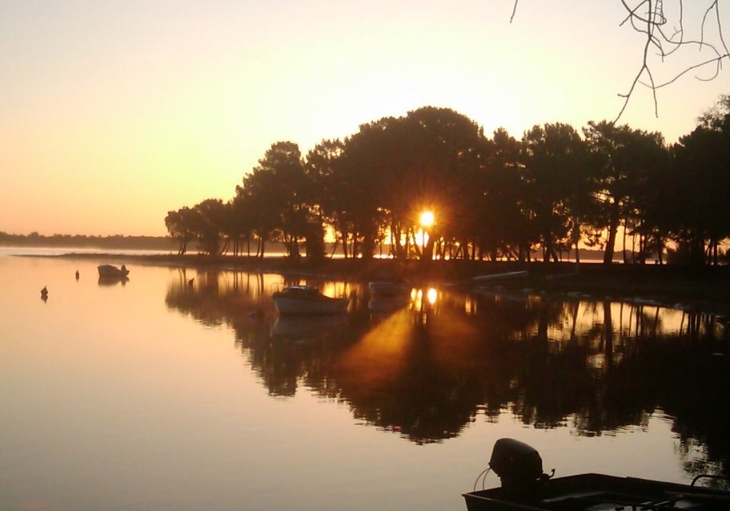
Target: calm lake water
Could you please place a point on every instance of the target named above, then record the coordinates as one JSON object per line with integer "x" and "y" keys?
{"x": 160, "y": 394}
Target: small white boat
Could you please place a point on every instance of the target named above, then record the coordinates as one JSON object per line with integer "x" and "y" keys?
{"x": 307, "y": 300}
{"x": 389, "y": 288}
{"x": 107, "y": 270}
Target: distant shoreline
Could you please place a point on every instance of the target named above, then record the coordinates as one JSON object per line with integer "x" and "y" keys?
{"x": 708, "y": 287}
{"x": 171, "y": 246}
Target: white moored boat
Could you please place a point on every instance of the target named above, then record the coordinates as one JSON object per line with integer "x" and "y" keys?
{"x": 307, "y": 300}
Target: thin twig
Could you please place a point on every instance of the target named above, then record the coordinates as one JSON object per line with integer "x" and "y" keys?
{"x": 514, "y": 11}
{"x": 647, "y": 17}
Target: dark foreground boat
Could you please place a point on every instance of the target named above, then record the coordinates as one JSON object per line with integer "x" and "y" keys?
{"x": 526, "y": 488}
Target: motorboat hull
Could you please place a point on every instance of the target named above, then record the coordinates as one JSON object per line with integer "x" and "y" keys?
{"x": 599, "y": 491}
{"x": 524, "y": 487}
{"x": 107, "y": 270}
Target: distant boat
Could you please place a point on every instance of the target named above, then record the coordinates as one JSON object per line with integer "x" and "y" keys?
{"x": 307, "y": 300}
{"x": 107, "y": 270}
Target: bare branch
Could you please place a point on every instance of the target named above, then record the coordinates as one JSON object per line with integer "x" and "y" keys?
{"x": 648, "y": 17}
{"x": 637, "y": 79}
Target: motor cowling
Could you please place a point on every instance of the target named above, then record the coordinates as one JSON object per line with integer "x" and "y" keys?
{"x": 518, "y": 465}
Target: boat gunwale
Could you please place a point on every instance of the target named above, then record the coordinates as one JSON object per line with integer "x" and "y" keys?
{"x": 555, "y": 491}
{"x": 305, "y": 292}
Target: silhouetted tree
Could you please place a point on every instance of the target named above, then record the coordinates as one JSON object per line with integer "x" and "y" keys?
{"x": 624, "y": 159}
{"x": 702, "y": 166}
{"x": 273, "y": 192}
{"x": 370, "y": 156}
{"x": 448, "y": 153}
{"x": 241, "y": 219}
{"x": 287, "y": 191}
{"x": 647, "y": 206}
{"x": 555, "y": 177}
{"x": 326, "y": 196}
{"x": 253, "y": 207}
{"x": 210, "y": 226}
{"x": 181, "y": 225}
{"x": 501, "y": 226}
{"x": 400, "y": 167}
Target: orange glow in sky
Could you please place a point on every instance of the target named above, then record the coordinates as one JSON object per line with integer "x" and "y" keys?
{"x": 115, "y": 112}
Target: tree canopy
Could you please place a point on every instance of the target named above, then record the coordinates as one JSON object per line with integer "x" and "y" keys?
{"x": 491, "y": 197}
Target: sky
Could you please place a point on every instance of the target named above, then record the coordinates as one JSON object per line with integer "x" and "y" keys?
{"x": 113, "y": 113}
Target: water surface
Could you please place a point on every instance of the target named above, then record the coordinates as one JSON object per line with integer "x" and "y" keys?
{"x": 182, "y": 390}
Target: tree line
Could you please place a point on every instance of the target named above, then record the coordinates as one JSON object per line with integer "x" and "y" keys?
{"x": 493, "y": 198}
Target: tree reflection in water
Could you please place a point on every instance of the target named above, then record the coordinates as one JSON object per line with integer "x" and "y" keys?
{"x": 427, "y": 372}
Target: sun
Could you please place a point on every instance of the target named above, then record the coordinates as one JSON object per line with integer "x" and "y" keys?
{"x": 426, "y": 219}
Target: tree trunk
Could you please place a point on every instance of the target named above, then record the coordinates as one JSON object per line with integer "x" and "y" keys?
{"x": 612, "y": 233}
{"x": 344, "y": 245}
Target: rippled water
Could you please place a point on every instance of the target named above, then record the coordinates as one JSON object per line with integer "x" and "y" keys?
{"x": 182, "y": 390}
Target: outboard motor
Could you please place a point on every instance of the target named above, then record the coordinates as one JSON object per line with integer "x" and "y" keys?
{"x": 518, "y": 465}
